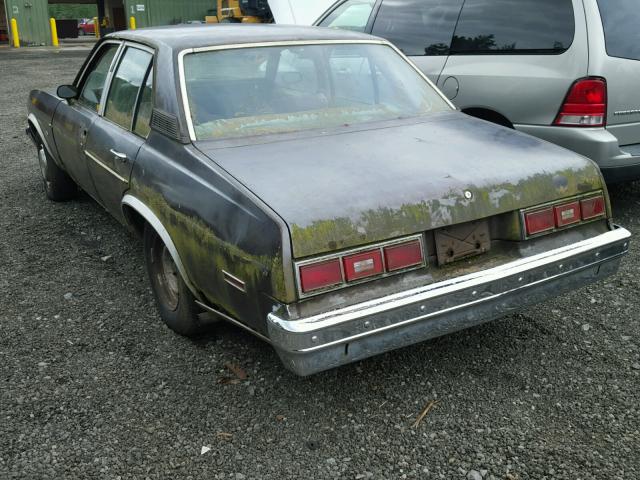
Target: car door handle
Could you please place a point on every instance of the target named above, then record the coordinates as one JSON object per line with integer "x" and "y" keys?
{"x": 118, "y": 155}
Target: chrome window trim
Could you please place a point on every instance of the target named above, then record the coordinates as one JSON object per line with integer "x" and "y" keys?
{"x": 183, "y": 53}
{"x": 353, "y": 251}
{"x": 579, "y": 198}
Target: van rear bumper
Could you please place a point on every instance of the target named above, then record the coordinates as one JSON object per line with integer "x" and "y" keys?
{"x": 618, "y": 164}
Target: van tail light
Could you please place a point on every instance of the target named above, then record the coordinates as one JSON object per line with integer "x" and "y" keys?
{"x": 567, "y": 214}
{"x": 592, "y": 207}
{"x": 585, "y": 104}
{"x": 403, "y": 255}
{"x": 320, "y": 275}
{"x": 539, "y": 221}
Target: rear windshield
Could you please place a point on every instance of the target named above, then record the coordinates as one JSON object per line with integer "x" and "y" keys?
{"x": 621, "y": 21}
{"x": 264, "y": 90}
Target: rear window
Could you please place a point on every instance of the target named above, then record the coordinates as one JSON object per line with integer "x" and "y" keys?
{"x": 293, "y": 88}
{"x": 621, "y": 21}
{"x": 515, "y": 27}
{"x": 418, "y": 27}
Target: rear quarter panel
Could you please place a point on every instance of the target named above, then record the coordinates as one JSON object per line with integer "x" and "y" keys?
{"x": 216, "y": 227}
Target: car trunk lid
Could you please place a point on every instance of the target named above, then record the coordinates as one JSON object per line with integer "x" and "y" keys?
{"x": 380, "y": 181}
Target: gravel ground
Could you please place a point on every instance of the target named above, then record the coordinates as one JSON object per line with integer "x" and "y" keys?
{"x": 94, "y": 386}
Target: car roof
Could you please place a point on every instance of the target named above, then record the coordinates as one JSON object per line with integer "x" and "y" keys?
{"x": 181, "y": 37}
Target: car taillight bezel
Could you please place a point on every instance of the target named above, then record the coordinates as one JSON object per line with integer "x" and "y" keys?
{"x": 559, "y": 203}
{"x": 340, "y": 256}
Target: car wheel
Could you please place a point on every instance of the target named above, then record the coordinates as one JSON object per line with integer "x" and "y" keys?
{"x": 57, "y": 184}
{"x": 176, "y": 304}
{"x": 80, "y": 32}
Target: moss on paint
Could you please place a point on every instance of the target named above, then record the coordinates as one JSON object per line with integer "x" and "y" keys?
{"x": 453, "y": 208}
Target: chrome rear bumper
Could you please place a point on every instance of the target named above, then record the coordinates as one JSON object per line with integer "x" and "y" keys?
{"x": 312, "y": 344}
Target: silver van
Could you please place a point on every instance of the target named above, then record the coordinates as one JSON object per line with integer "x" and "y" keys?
{"x": 567, "y": 71}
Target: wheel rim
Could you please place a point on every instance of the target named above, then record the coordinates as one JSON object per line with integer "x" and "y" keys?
{"x": 167, "y": 276}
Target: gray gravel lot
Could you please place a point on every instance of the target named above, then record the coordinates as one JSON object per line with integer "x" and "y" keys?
{"x": 92, "y": 385}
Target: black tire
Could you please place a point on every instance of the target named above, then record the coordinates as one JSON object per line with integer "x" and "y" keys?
{"x": 58, "y": 186}
{"x": 176, "y": 304}
{"x": 80, "y": 32}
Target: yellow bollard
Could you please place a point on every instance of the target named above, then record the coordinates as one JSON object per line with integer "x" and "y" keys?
{"x": 14, "y": 33}
{"x": 132, "y": 23}
{"x": 96, "y": 27}
{"x": 54, "y": 32}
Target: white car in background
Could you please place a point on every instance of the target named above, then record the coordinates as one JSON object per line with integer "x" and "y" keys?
{"x": 298, "y": 12}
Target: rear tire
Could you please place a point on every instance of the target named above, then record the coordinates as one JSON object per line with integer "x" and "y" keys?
{"x": 176, "y": 304}
{"x": 58, "y": 186}
{"x": 80, "y": 32}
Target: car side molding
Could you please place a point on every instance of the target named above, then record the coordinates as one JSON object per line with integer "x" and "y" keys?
{"x": 145, "y": 212}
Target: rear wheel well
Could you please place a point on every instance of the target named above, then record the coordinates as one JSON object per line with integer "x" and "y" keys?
{"x": 489, "y": 115}
{"x": 136, "y": 221}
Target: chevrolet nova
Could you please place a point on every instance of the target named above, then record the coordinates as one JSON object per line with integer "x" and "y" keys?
{"x": 314, "y": 188}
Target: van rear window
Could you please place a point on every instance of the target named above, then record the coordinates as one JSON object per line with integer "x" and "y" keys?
{"x": 514, "y": 27}
{"x": 621, "y": 20}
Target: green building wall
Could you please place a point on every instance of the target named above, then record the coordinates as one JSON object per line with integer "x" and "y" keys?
{"x": 33, "y": 21}
{"x": 151, "y": 13}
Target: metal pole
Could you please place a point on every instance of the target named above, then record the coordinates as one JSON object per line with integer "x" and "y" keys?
{"x": 54, "y": 32}
{"x": 132, "y": 22}
{"x": 14, "y": 33}
{"x": 96, "y": 27}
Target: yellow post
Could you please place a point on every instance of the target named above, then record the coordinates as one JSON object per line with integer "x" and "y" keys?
{"x": 54, "y": 32}
{"x": 96, "y": 27}
{"x": 14, "y": 33}
{"x": 132, "y": 22}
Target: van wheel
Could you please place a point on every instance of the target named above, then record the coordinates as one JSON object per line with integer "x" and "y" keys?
{"x": 176, "y": 304}
{"x": 57, "y": 184}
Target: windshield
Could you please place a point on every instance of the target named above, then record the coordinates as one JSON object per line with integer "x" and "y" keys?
{"x": 264, "y": 90}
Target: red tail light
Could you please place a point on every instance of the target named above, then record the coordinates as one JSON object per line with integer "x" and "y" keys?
{"x": 403, "y": 255}
{"x": 567, "y": 214}
{"x": 540, "y": 221}
{"x": 585, "y": 105}
{"x": 363, "y": 265}
{"x": 592, "y": 207}
{"x": 320, "y": 275}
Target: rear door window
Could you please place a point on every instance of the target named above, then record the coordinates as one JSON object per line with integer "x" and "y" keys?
{"x": 126, "y": 85}
{"x": 418, "y": 27}
{"x": 514, "y": 27}
{"x": 351, "y": 15}
{"x": 621, "y": 21}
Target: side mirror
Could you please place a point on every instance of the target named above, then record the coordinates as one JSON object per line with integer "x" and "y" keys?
{"x": 67, "y": 92}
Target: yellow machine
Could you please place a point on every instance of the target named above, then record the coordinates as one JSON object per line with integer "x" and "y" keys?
{"x": 241, "y": 11}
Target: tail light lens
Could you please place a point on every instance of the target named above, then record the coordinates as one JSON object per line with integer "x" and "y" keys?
{"x": 567, "y": 214}
{"x": 563, "y": 214}
{"x": 358, "y": 265}
{"x": 592, "y": 207}
{"x": 320, "y": 275}
{"x": 403, "y": 256}
{"x": 363, "y": 265}
{"x": 539, "y": 221}
{"x": 585, "y": 105}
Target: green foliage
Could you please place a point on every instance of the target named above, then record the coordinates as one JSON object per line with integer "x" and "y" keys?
{"x": 72, "y": 11}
